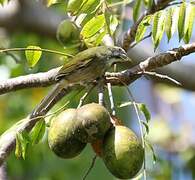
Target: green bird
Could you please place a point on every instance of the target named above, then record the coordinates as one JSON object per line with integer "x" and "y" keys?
{"x": 84, "y": 68}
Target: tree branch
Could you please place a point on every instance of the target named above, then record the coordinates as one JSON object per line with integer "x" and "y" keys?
{"x": 28, "y": 81}
{"x": 151, "y": 63}
{"x": 44, "y": 21}
{"x": 3, "y": 172}
{"x": 128, "y": 76}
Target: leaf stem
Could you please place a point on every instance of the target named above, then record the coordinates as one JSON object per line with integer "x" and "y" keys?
{"x": 141, "y": 130}
{"x": 90, "y": 168}
{"x": 111, "y": 99}
{"x": 140, "y": 127}
{"x": 36, "y": 49}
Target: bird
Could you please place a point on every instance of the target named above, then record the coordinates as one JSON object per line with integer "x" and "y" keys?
{"x": 84, "y": 68}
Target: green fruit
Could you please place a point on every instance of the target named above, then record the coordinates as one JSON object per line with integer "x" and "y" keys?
{"x": 122, "y": 153}
{"x": 95, "y": 120}
{"x": 62, "y": 135}
{"x": 68, "y": 32}
{"x": 73, "y": 6}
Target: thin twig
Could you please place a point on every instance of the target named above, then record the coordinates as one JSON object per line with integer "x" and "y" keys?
{"x": 35, "y": 49}
{"x": 16, "y": 59}
{"x": 140, "y": 126}
{"x": 162, "y": 76}
{"x": 90, "y": 167}
{"x": 135, "y": 43}
{"x": 141, "y": 130}
{"x": 82, "y": 99}
{"x": 101, "y": 94}
{"x": 174, "y": 3}
{"x": 111, "y": 99}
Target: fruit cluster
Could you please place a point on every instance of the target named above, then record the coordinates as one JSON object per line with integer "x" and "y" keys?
{"x": 120, "y": 148}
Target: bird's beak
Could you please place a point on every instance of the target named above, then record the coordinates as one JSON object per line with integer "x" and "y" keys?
{"x": 125, "y": 58}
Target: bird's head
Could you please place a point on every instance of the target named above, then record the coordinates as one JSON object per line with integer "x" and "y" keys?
{"x": 117, "y": 55}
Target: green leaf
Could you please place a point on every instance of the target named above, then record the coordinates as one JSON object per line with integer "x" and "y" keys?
{"x": 100, "y": 37}
{"x": 114, "y": 24}
{"x": 146, "y": 126}
{"x": 25, "y": 140}
{"x": 136, "y": 9}
{"x": 89, "y": 6}
{"x": 18, "y": 148}
{"x": 24, "y": 149}
{"x": 172, "y": 25}
{"x": 22, "y": 142}
{"x": 148, "y": 3}
{"x": 142, "y": 28}
{"x": 25, "y": 136}
{"x": 73, "y": 6}
{"x": 155, "y": 26}
{"x": 119, "y": 2}
{"x": 2, "y": 2}
{"x": 51, "y": 2}
{"x": 143, "y": 108}
{"x": 37, "y": 132}
{"x": 125, "y": 104}
{"x": 181, "y": 21}
{"x": 86, "y": 19}
{"x": 152, "y": 150}
{"x": 93, "y": 26}
{"x": 107, "y": 16}
{"x": 158, "y": 27}
{"x": 189, "y": 21}
{"x": 168, "y": 26}
{"x": 33, "y": 56}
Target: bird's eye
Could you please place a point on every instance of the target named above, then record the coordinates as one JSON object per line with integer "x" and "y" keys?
{"x": 116, "y": 53}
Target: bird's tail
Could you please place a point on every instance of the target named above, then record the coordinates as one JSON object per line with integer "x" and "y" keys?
{"x": 45, "y": 103}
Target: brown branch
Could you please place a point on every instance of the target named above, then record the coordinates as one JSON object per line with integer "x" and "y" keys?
{"x": 128, "y": 76}
{"x": 30, "y": 16}
{"x": 129, "y": 36}
{"x": 149, "y": 64}
{"x": 3, "y": 172}
{"x": 28, "y": 81}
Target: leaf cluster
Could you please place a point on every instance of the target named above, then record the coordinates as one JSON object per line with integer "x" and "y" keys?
{"x": 178, "y": 18}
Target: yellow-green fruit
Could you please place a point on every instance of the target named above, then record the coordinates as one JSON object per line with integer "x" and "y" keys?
{"x": 68, "y": 32}
{"x": 95, "y": 120}
{"x": 62, "y": 135}
{"x": 122, "y": 152}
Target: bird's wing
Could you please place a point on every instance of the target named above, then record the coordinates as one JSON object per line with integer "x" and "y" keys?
{"x": 79, "y": 61}
{"x": 72, "y": 66}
